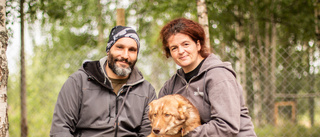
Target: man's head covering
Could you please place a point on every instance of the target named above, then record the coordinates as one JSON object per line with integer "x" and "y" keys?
{"x": 119, "y": 32}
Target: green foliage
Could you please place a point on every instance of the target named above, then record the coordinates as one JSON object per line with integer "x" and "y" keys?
{"x": 151, "y": 17}
{"x": 14, "y": 104}
{"x": 43, "y": 86}
{"x": 70, "y": 29}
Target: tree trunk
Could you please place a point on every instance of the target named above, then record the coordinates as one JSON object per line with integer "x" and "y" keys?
{"x": 311, "y": 58}
{"x": 258, "y": 76}
{"x": 203, "y": 19}
{"x": 253, "y": 63}
{"x": 4, "y": 72}
{"x": 272, "y": 75}
{"x": 311, "y": 79}
{"x": 24, "y": 125}
{"x": 317, "y": 22}
{"x": 267, "y": 95}
{"x": 261, "y": 78}
{"x": 241, "y": 51}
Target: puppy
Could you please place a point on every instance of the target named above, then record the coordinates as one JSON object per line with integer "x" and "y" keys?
{"x": 172, "y": 116}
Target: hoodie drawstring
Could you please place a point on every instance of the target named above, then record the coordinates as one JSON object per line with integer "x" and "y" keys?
{"x": 174, "y": 82}
{"x": 122, "y": 105}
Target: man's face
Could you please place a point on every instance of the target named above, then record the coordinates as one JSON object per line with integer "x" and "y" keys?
{"x": 123, "y": 56}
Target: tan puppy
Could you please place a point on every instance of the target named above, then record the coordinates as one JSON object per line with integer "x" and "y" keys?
{"x": 172, "y": 116}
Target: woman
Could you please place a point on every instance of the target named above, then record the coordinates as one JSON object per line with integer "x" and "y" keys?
{"x": 206, "y": 81}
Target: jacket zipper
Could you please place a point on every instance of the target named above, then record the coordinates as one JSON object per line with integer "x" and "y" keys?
{"x": 117, "y": 118}
{"x": 117, "y": 126}
{"x": 187, "y": 82}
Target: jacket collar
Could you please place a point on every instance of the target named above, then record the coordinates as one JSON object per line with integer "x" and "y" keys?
{"x": 212, "y": 61}
{"x": 96, "y": 69}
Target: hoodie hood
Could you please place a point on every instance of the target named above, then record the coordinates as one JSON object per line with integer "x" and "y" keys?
{"x": 96, "y": 71}
{"x": 211, "y": 62}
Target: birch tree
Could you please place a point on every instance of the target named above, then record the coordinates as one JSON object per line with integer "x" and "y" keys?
{"x": 203, "y": 19}
{"x": 4, "y": 124}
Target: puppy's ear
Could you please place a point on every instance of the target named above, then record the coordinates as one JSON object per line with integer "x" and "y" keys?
{"x": 150, "y": 110}
{"x": 150, "y": 105}
{"x": 182, "y": 111}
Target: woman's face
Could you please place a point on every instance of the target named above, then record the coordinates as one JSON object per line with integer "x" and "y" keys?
{"x": 184, "y": 51}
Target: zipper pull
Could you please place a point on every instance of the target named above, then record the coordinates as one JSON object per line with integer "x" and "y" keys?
{"x": 90, "y": 78}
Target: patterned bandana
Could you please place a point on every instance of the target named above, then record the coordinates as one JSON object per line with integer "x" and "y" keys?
{"x": 119, "y": 32}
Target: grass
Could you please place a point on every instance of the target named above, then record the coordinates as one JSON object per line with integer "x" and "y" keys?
{"x": 288, "y": 129}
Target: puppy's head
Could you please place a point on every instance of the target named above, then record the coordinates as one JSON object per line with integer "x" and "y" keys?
{"x": 167, "y": 115}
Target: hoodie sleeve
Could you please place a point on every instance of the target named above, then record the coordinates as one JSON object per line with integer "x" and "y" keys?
{"x": 145, "y": 124}
{"x": 224, "y": 97}
{"x": 65, "y": 116}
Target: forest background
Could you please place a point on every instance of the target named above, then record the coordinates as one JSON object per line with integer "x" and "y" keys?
{"x": 272, "y": 44}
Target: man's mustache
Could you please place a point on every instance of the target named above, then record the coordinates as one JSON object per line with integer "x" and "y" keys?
{"x": 123, "y": 60}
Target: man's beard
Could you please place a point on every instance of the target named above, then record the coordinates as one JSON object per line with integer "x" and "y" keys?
{"x": 118, "y": 70}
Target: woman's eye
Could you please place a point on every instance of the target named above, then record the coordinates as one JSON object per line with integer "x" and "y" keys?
{"x": 173, "y": 49}
{"x": 155, "y": 115}
{"x": 167, "y": 115}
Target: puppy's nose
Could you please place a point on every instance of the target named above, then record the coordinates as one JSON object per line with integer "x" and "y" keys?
{"x": 156, "y": 130}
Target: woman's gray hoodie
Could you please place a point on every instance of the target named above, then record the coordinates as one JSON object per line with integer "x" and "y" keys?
{"x": 218, "y": 96}
{"x": 88, "y": 107}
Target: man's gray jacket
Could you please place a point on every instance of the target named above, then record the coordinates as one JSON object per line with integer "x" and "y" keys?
{"x": 88, "y": 107}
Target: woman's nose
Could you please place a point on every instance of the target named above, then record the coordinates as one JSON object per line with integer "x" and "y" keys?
{"x": 180, "y": 49}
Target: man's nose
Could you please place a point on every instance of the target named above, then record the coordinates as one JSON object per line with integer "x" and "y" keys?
{"x": 125, "y": 53}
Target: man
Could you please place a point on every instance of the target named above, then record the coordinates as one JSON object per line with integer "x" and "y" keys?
{"x": 108, "y": 97}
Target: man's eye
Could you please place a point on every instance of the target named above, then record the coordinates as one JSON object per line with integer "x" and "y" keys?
{"x": 167, "y": 115}
{"x": 155, "y": 115}
{"x": 133, "y": 50}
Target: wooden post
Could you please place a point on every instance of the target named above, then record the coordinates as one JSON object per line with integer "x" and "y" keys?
{"x": 284, "y": 103}
{"x": 121, "y": 17}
